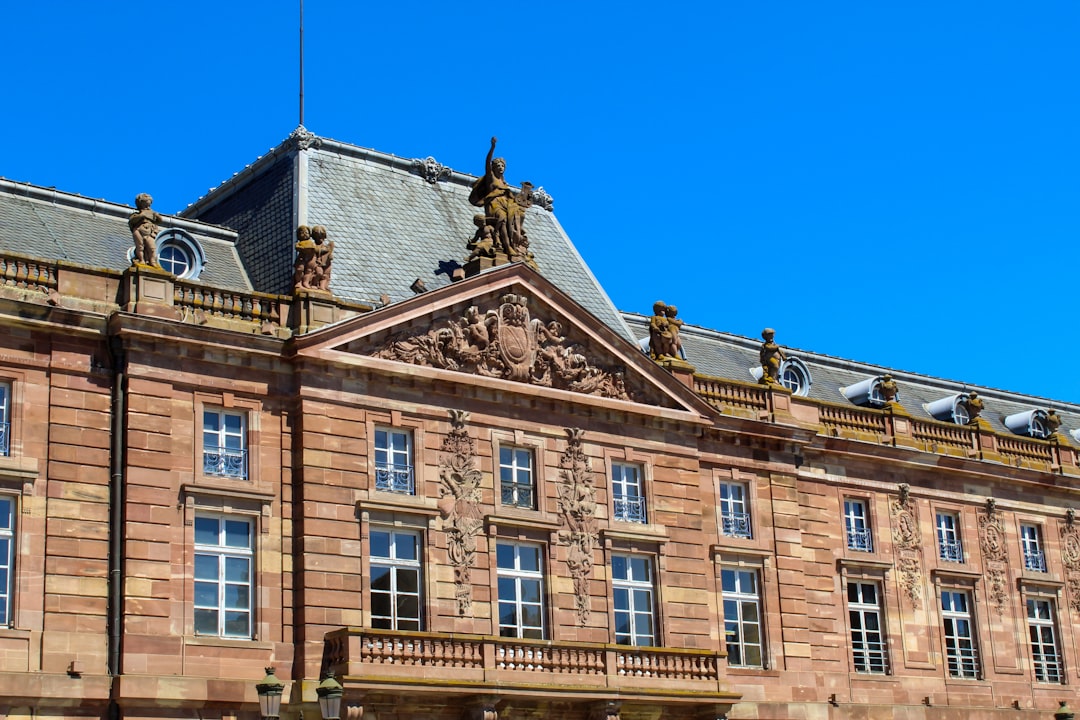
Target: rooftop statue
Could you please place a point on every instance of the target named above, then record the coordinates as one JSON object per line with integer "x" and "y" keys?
{"x": 974, "y": 405}
{"x": 504, "y": 212}
{"x": 771, "y": 357}
{"x": 314, "y": 255}
{"x": 324, "y": 257}
{"x": 888, "y": 388}
{"x": 1053, "y": 421}
{"x": 143, "y": 224}
{"x": 664, "y": 339}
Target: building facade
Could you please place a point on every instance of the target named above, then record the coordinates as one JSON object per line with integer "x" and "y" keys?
{"x": 484, "y": 499}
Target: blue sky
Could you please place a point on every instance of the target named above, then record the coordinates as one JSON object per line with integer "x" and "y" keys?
{"x": 896, "y": 183}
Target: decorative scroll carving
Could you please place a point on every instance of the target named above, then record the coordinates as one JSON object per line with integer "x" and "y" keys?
{"x": 543, "y": 199}
{"x": 506, "y": 343}
{"x": 907, "y": 542}
{"x": 577, "y": 512}
{"x": 143, "y": 224}
{"x": 1069, "y": 532}
{"x": 305, "y": 138}
{"x": 459, "y": 505}
{"x": 431, "y": 169}
{"x": 992, "y": 543}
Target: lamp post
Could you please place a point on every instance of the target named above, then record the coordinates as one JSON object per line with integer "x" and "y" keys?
{"x": 270, "y": 690}
{"x": 1063, "y": 712}
{"x": 330, "y": 692}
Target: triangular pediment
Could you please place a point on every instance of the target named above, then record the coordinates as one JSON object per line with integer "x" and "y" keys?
{"x": 508, "y": 325}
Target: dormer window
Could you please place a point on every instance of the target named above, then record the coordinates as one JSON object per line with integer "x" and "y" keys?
{"x": 951, "y": 408}
{"x": 1033, "y": 423}
{"x": 872, "y": 392}
{"x": 180, "y": 254}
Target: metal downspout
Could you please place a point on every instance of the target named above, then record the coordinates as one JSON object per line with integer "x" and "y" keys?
{"x": 116, "y": 517}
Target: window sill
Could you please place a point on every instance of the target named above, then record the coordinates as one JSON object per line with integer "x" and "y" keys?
{"x": 18, "y": 469}
{"x": 219, "y": 642}
{"x": 240, "y": 490}
{"x": 635, "y": 531}
{"x": 532, "y": 521}
{"x": 380, "y": 500}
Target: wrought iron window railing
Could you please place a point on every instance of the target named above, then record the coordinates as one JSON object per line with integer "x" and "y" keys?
{"x": 735, "y": 524}
{"x": 860, "y": 539}
{"x": 630, "y": 509}
{"x": 870, "y": 657}
{"x": 225, "y": 462}
{"x": 5, "y": 435}
{"x": 1035, "y": 560}
{"x": 517, "y": 494}
{"x": 951, "y": 551}
{"x": 396, "y": 479}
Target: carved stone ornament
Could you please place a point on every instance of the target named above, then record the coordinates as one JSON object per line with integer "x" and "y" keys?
{"x": 304, "y": 138}
{"x": 577, "y": 514}
{"x": 459, "y": 505}
{"x": 543, "y": 199}
{"x": 505, "y": 342}
{"x": 1069, "y": 533}
{"x": 992, "y": 544}
{"x": 430, "y": 169}
{"x": 907, "y": 542}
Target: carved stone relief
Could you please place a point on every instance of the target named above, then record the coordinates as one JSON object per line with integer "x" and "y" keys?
{"x": 995, "y": 556}
{"x": 577, "y": 513}
{"x": 459, "y": 490}
{"x": 543, "y": 199}
{"x": 907, "y": 544}
{"x": 505, "y": 342}
{"x": 1069, "y": 532}
{"x": 431, "y": 169}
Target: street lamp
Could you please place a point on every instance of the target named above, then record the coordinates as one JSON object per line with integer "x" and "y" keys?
{"x": 270, "y": 694}
{"x": 1063, "y": 712}
{"x": 330, "y": 692}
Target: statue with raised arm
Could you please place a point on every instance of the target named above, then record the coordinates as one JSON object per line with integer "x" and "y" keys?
{"x": 504, "y": 210}
{"x": 143, "y": 224}
{"x": 771, "y": 356}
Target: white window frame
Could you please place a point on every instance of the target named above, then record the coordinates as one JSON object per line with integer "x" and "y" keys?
{"x": 517, "y": 479}
{"x": 224, "y": 556}
{"x": 399, "y": 568}
{"x": 1048, "y": 665}
{"x": 1031, "y": 547}
{"x": 857, "y": 529}
{"x": 394, "y": 470}
{"x": 869, "y": 643}
{"x": 633, "y": 599}
{"x": 516, "y": 588}
{"x": 225, "y": 448}
{"x": 5, "y": 419}
{"x": 735, "y": 510}
{"x": 741, "y": 594}
{"x": 628, "y": 492}
{"x": 950, "y": 547}
{"x": 961, "y": 648}
{"x": 8, "y": 504}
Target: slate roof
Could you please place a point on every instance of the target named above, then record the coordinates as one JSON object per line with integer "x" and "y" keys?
{"x": 54, "y": 225}
{"x": 389, "y": 225}
{"x": 732, "y": 356}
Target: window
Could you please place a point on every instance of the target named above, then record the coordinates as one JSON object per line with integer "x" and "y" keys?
{"x": 857, "y": 526}
{"x": 948, "y": 536}
{"x": 960, "y": 651}
{"x": 521, "y": 591}
{"x": 1031, "y": 544}
{"x": 734, "y": 518}
{"x": 516, "y": 477}
{"x": 795, "y": 376}
{"x": 742, "y": 617}
{"x": 7, "y": 556}
{"x": 395, "y": 579}
{"x": 867, "y": 636}
{"x": 174, "y": 260}
{"x": 393, "y": 461}
{"x": 180, "y": 254}
{"x": 632, "y": 585}
{"x": 224, "y": 454}
{"x": 5, "y": 419}
{"x": 1044, "y": 650}
{"x": 627, "y": 491}
{"x": 223, "y": 576}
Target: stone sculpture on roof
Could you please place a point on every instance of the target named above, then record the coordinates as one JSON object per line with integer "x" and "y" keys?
{"x": 314, "y": 256}
{"x": 771, "y": 356}
{"x": 143, "y": 224}
{"x": 974, "y": 405}
{"x": 504, "y": 213}
{"x": 664, "y": 339}
{"x": 888, "y": 388}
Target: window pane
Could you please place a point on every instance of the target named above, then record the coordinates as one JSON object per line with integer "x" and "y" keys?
{"x": 530, "y": 591}
{"x": 237, "y": 570}
{"x": 206, "y": 622}
{"x": 236, "y": 597}
{"x": 206, "y": 594}
{"x": 380, "y": 578}
{"x": 639, "y": 568}
{"x": 507, "y": 589}
{"x": 236, "y": 624}
{"x": 405, "y": 545}
{"x": 618, "y": 567}
{"x": 206, "y": 531}
{"x": 380, "y": 544}
{"x": 380, "y": 605}
{"x": 505, "y": 557}
{"x": 237, "y": 533}
{"x": 408, "y": 607}
{"x": 408, "y": 581}
{"x": 530, "y": 559}
{"x": 206, "y": 567}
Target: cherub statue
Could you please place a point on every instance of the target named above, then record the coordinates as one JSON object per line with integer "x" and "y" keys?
{"x": 324, "y": 258}
{"x": 771, "y": 356}
{"x": 662, "y": 342}
{"x": 304, "y": 267}
{"x": 974, "y": 405}
{"x": 888, "y": 388}
{"x": 143, "y": 224}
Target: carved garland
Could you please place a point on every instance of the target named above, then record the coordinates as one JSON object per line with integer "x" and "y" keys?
{"x": 459, "y": 490}
{"x": 505, "y": 342}
{"x": 992, "y": 543}
{"x": 1070, "y": 555}
{"x": 907, "y": 544}
{"x": 577, "y": 511}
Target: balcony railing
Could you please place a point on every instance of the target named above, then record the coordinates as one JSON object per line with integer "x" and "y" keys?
{"x": 630, "y": 509}
{"x": 951, "y": 551}
{"x": 395, "y": 479}
{"x": 225, "y": 462}
{"x": 1035, "y": 560}
{"x": 860, "y": 539}
{"x": 735, "y": 524}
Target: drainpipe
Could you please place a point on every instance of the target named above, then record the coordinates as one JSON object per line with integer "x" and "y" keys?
{"x": 116, "y": 516}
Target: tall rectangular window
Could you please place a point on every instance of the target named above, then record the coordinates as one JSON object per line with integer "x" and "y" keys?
{"x": 393, "y": 461}
{"x": 224, "y": 582}
{"x": 395, "y": 579}
{"x": 948, "y": 536}
{"x": 7, "y": 557}
{"x": 521, "y": 590}
{"x": 224, "y": 444}
{"x": 632, "y": 586}
{"x": 1031, "y": 544}
{"x": 5, "y": 419}
{"x": 1045, "y": 656}
{"x": 516, "y": 478}
{"x": 857, "y": 526}
{"x": 742, "y": 617}
{"x": 734, "y": 513}
{"x": 867, "y": 635}
{"x": 960, "y": 651}
{"x": 627, "y": 491}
